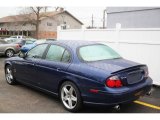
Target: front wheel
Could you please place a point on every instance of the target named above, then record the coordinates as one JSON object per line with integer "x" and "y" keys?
{"x": 70, "y": 97}
{"x": 9, "y": 75}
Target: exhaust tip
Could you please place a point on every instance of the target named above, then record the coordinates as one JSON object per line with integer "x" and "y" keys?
{"x": 149, "y": 93}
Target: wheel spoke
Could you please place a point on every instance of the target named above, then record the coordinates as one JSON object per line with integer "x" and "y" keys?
{"x": 65, "y": 98}
{"x": 8, "y": 71}
{"x": 73, "y": 98}
{"x": 7, "y": 77}
{"x": 65, "y": 90}
{"x": 11, "y": 77}
{"x": 70, "y": 103}
{"x": 71, "y": 90}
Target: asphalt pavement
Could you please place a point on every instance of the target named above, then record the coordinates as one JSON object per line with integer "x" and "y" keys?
{"x": 22, "y": 99}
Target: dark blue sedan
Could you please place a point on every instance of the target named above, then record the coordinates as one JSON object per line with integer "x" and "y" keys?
{"x": 80, "y": 72}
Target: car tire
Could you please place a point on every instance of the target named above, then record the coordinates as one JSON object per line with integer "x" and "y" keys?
{"x": 9, "y": 75}
{"x": 70, "y": 97}
{"x": 9, "y": 53}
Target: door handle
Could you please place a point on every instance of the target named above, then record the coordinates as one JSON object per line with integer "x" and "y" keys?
{"x": 58, "y": 69}
{"x": 33, "y": 64}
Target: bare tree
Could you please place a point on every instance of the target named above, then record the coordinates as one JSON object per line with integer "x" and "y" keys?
{"x": 33, "y": 16}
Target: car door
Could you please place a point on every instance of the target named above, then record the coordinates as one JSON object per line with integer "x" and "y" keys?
{"x": 2, "y": 47}
{"x": 53, "y": 67}
{"x": 26, "y": 70}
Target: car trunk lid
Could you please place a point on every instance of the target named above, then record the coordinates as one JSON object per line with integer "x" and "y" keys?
{"x": 128, "y": 71}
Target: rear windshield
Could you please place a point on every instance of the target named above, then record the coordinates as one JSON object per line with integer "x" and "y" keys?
{"x": 97, "y": 52}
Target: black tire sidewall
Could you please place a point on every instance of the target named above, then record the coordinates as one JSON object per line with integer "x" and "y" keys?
{"x": 79, "y": 99}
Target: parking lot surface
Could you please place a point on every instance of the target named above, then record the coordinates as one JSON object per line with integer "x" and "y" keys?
{"x": 22, "y": 99}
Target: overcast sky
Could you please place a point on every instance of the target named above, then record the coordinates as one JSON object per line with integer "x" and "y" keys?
{"x": 84, "y": 14}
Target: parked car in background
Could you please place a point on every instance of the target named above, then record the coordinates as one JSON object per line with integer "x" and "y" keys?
{"x": 12, "y": 38}
{"x": 22, "y": 42}
{"x": 49, "y": 39}
{"x": 80, "y": 72}
{"x": 8, "y": 49}
{"x": 18, "y": 37}
{"x": 27, "y": 47}
{"x": 26, "y": 41}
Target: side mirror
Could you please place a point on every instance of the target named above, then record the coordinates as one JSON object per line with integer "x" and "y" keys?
{"x": 22, "y": 55}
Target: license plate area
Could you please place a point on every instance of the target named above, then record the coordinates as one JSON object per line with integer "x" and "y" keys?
{"x": 139, "y": 93}
{"x": 135, "y": 76}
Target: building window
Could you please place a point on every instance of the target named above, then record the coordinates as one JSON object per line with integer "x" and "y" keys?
{"x": 49, "y": 24}
{"x": 1, "y": 24}
{"x": 24, "y": 24}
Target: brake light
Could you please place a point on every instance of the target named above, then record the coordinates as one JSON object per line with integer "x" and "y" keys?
{"x": 114, "y": 82}
{"x": 146, "y": 72}
{"x": 17, "y": 46}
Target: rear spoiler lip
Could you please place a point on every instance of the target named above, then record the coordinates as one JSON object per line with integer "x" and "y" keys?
{"x": 136, "y": 66}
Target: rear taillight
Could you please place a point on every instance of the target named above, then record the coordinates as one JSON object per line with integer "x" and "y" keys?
{"x": 18, "y": 46}
{"x": 114, "y": 82}
{"x": 146, "y": 73}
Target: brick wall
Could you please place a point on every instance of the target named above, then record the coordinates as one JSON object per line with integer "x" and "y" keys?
{"x": 47, "y": 34}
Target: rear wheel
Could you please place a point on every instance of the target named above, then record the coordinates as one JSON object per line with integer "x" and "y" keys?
{"x": 9, "y": 75}
{"x": 70, "y": 97}
{"x": 9, "y": 53}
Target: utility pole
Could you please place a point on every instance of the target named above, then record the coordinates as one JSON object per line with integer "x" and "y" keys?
{"x": 92, "y": 21}
{"x": 104, "y": 18}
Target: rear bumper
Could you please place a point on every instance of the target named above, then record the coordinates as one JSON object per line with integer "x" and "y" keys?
{"x": 24, "y": 50}
{"x": 109, "y": 98}
{"x": 17, "y": 51}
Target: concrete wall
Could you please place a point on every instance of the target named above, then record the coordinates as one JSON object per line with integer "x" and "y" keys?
{"x": 140, "y": 45}
{"x": 131, "y": 17}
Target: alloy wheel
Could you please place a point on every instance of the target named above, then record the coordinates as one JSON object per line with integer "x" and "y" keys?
{"x": 69, "y": 96}
{"x": 9, "y": 53}
{"x": 9, "y": 76}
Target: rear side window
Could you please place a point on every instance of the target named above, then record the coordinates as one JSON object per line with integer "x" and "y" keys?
{"x": 66, "y": 56}
{"x": 58, "y": 53}
{"x": 37, "y": 52}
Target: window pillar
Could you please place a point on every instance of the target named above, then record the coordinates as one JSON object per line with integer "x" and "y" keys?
{"x": 27, "y": 33}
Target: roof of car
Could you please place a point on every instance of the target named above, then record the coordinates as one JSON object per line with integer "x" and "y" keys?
{"x": 74, "y": 43}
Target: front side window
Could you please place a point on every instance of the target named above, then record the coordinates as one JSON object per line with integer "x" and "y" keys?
{"x": 37, "y": 52}
{"x": 3, "y": 42}
{"x": 97, "y": 52}
{"x": 57, "y": 53}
